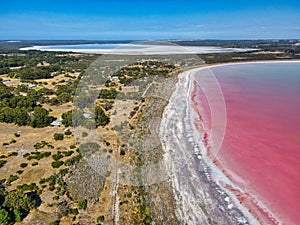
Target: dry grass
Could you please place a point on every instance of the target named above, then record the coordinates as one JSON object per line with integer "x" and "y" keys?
{"x": 25, "y": 144}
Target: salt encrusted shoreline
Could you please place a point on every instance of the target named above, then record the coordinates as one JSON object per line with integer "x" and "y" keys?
{"x": 203, "y": 192}
{"x": 124, "y": 49}
{"x": 199, "y": 197}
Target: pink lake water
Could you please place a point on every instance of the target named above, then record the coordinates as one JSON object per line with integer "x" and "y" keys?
{"x": 262, "y": 141}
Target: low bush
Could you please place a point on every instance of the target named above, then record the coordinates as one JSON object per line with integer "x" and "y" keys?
{"x": 23, "y": 165}
{"x": 57, "y": 164}
{"x": 58, "y": 137}
{"x": 57, "y": 156}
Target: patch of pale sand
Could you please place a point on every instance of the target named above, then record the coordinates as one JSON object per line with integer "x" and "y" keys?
{"x": 16, "y": 67}
{"x": 44, "y": 64}
{"x": 36, "y": 216}
{"x": 25, "y": 144}
{"x": 103, "y": 207}
{"x": 127, "y": 89}
{"x": 47, "y": 83}
{"x": 33, "y": 174}
{"x": 121, "y": 111}
{"x": 57, "y": 78}
{"x": 57, "y": 111}
{"x": 10, "y": 82}
{"x": 28, "y": 135}
{"x": 66, "y": 220}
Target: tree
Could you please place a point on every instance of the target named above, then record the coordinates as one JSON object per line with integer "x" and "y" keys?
{"x": 58, "y": 136}
{"x": 41, "y": 117}
{"x": 108, "y": 93}
{"x": 19, "y": 200}
{"x": 21, "y": 117}
{"x": 4, "y": 217}
{"x": 64, "y": 97}
{"x": 57, "y": 164}
{"x": 67, "y": 118}
{"x": 2, "y": 194}
{"x": 82, "y": 204}
{"x": 100, "y": 117}
{"x": 7, "y": 115}
{"x": 5, "y": 91}
{"x": 18, "y": 215}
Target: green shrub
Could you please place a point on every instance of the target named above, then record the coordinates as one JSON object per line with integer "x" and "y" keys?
{"x": 68, "y": 153}
{"x": 122, "y": 152}
{"x": 12, "y": 154}
{"x": 57, "y": 164}
{"x": 100, "y": 219}
{"x": 82, "y": 204}
{"x": 106, "y": 143}
{"x": 43, "y": 144}
{"x": 63, "y": 172}
{"x": 51, "y": 188}
{"x": 4, "y": 217}
{"x": 23, "y": 165}
{"x": 19, "y": 171}
{"x": 56, "y": 222}
{"x": 73, "y": 211}
{"x": 57, "y": 156}
{"x": 26, "y": 155}
{"x": 73, "y": 161}
{"x": 18, "y": 215}
{"x": 37, "y": 155}
{"x": 17, "y": 134}
{"x": 28, "y": 187}
{"x": 2, "y": 163}
{"x": 84, "y": 134}
{"x": 42, "y": 181}
{"x": 129, "y": 195}
{"x": 58, "y": 136}
{"x": 34, "y": 163}
{"x": 68, "y": 132}
{"x": 11, "y": 179}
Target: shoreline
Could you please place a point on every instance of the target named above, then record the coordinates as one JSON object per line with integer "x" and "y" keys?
{"x": 208, "y": 204}
{"x": 228, "y": 180}
{"x": 124, "y": 49}
{"x": 250, "y": 207}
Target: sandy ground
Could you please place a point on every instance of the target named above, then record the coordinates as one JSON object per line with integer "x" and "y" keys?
{"x": 25, "y": 144}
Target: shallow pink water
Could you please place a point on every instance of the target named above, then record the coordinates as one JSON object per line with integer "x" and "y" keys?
{"x": 262, "y": 139}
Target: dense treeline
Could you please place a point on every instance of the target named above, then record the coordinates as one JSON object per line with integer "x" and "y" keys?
{"x": 22, "y": 110}
{"x": 39, "y": 64}
{"x": 32, "y": 73}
